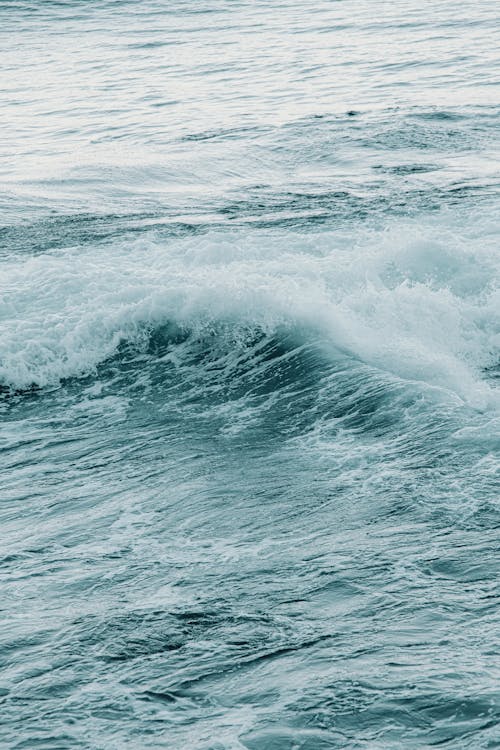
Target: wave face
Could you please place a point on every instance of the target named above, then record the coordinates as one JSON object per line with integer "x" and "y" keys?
{"x": 249, "y": 367}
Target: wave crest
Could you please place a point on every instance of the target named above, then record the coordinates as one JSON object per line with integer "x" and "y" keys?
{"x": 417, "y": 299}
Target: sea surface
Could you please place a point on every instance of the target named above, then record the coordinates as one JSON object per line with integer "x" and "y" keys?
{"x": 249, "y": 375}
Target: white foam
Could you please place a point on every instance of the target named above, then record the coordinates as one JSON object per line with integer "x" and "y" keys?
{"x": 419, "y": 299}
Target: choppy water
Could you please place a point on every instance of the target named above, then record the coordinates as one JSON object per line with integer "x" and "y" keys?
{"x": 249, "y": 368}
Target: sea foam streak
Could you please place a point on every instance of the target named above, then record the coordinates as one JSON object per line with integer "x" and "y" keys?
{"x": 418, "y": 300}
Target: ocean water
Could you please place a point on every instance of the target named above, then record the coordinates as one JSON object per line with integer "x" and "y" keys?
{"x": 249, "y": 375}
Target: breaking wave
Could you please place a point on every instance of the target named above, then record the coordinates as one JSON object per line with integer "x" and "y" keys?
{"x": 416, "y": 299}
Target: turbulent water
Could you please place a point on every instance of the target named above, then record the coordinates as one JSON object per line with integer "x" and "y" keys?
{"x": 249, "y": 374}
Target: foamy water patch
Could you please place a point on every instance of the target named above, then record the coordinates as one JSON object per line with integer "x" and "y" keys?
{"x": 418, "y": 300}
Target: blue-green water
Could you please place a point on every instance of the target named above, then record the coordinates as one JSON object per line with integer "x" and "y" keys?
{"x": 249, "y": 370}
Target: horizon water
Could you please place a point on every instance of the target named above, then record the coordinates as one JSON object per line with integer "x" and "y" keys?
{"x": 249, "y": 375}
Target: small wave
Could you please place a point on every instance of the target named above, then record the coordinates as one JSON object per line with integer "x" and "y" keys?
{"x": 418, "y": 299}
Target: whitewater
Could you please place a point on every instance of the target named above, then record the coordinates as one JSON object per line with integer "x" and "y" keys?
{"x": 249, "y": 375}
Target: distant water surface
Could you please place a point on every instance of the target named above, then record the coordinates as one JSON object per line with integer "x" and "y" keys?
{"x": 249, "y": 375}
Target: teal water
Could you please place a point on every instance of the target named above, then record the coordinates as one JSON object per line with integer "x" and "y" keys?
{"x": 249, "y": 368}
